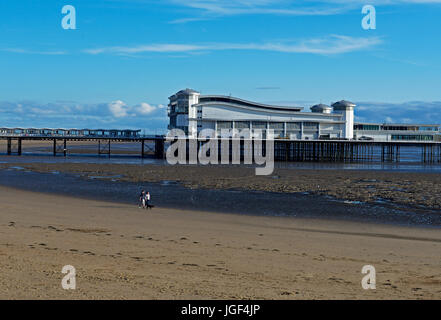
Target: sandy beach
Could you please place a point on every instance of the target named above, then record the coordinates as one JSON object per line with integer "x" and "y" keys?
{"x": 122, "y": 252}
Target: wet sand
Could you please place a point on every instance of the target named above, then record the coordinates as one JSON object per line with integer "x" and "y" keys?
{"x": 412, "y": 190}
{"x": 122, "y": 252}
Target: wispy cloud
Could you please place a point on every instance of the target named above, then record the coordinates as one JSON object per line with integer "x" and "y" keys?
{"x": 268, "y": 88}
{"x": 26, "y": 51}
{"x": 333, "y": 44}
{"x": 216, "y": 8}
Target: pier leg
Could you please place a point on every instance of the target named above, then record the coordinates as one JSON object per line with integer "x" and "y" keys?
{"x": 9, "y": 146}
{"x": 64, "y": 147}
{"x": 19, "y": 147}
{"x": 55, "y": 147}
{"x": 142, "y": 148}
{"x": 159, "y": 148}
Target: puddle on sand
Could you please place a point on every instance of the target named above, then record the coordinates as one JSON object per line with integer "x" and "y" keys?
{"x": 112, "y": 178}
{"x": 169, "y": 182}
{"x": 16, "y": 168}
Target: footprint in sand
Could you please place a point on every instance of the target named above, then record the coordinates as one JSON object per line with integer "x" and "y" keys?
{"x": 11, "y": 224}
{"x": 136, "y": 258}
{"x": 55, "y": 229}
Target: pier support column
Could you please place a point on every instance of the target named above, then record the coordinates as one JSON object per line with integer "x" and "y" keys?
{"x": 19, "y": 146}
{"x": 55, "y": 147}
{"x": 64, "y": 147}
{"x": 9, "y": 146}
{"x": 159, "y": 148}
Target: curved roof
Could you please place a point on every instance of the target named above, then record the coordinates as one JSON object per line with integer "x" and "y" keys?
{"x": 343, "y": 104}
{"x": 320, "y": 107}
{"x": 245, "y": 103}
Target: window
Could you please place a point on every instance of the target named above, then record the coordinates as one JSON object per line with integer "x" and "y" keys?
{"x": 242, "y": 124}
{"x": 370, "y": 127}
{"x": 412, "y": 137}
{"x": 293, "y": 126}
{"x": 428, "y": 129}
{"x": 225, "y": 125}
{"x": 276, "y": 125}
{"x": 310, "y": 126}
{"x": 259, "y": 125}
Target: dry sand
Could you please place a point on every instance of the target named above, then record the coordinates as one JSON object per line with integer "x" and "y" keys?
{"x": 122, "y": 252}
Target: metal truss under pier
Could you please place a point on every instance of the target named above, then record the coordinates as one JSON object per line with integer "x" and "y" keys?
{"x": 150, "y": 145}
{"x": 330, "y": 150}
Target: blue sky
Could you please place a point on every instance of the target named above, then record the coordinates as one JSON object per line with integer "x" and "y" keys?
{"x": 126, "y": 57}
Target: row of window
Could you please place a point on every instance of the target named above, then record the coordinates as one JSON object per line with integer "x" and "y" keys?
{"x": 267, "y": 125}
{"x": 374, "y": 127}
{"x": 412, "y": 137}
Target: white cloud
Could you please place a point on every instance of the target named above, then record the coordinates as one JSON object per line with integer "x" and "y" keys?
{"x": 145, "y": 108}
{"x": 118, "y": 109}
{"x": 116, "y": 114}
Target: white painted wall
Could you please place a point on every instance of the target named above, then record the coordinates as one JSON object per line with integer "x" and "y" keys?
{"x": 227, "y": 113}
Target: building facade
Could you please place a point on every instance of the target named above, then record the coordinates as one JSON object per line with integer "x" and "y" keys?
{"x": 192, "y": 112}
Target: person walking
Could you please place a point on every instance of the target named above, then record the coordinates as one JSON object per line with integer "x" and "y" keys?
{"x": 147, "y": 198}
{"x": 142, "y": 200}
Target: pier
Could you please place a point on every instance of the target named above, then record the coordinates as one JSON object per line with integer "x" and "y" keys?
{"x": 59, "y": 140}
{"x": 149, "y": 145}
{"x": 357, "y": 151}
{"x": 339, "y": 150}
